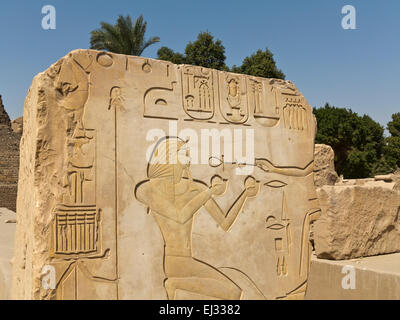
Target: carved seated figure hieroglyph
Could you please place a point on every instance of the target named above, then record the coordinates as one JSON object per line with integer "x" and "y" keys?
{"x": 173, "y": 197}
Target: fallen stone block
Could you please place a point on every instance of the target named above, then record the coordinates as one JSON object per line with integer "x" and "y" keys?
{"x": 358, "y": 219}
{"x": 324, "y": 166}
{"x": 371, "y": 278}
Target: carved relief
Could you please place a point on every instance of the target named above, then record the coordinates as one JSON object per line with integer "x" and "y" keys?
{"x": 267, "y": 166}
{"x": 146, "y": 67}
{"x": 218, "y": 236}
{"x": 233, "y": 100}
{"x": 288, "y": 98}
{"x": 295, "y": 115}
{"x": 76, "y": 216}
{"x": 173, "y": 198}
{"x": 116, "y": 99}
{"x": 306, "y": 247}
{"x": 256, "y": 91}
{"x": 72, "y": 86}
{"x": 76, "y": 230}
{"x": 161, "y": 90}
{"x": 77, "y": 223}
{"x": 198, "y": 92}
{"x": 105, "y": 59}
{"x": 157, "y": 102}
{"x": 282, "y": 234}
{"x": 264, "y": 99}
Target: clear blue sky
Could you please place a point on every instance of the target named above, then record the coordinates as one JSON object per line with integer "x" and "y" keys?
{"x": 359, "y": 68}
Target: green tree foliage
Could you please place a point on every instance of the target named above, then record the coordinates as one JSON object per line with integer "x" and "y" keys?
{"x": 260, "y": 64}
{"x": 358, "y": 141}
{"x": 167, "y": 54}
{"x": 392, "y": 147}
{"x": 394, "y": 125}
{"x": 205, "y": 52}
{"x": 210, "y": 53}
{"x": 124, "y": 37}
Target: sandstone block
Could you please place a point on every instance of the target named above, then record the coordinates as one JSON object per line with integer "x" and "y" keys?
{"x": 17, "y": 125}
{"x": 371, "y": 278}
{"x": 324, "y": 167}
{"x": 358, "y": 219}
{"x": 141, "y": 179}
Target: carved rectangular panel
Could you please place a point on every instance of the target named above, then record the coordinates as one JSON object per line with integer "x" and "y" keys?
{"x": 233, "y": 98}
{"x": 198, "y": 92}
{"x": 76, "y": 230}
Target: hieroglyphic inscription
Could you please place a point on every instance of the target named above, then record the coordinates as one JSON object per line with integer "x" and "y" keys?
{"x": 233, "y": 101}
{"x": 76, "y": 230}
{"x": 282, "y": 233}
{"x": 76, "y": 222}
{"x": 295, "y": 114}
{"x": 198, "y": 92}
{"x": 256, "y": 90}
{"x": 76, "y": 217}
{"x": 264, "y": 99}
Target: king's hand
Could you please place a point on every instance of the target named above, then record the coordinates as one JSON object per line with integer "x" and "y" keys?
{"x": 252, "y": 187}
{"x": 218, "y": 186}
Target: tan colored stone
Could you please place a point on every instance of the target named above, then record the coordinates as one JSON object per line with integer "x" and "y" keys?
{"x": 324, "y": 166}
{"x": 18, "y": 125}
{"x": 7, "y": 233}
{"x": 359, "y": 219}
{"x": 372, "y": 278}
{"x": 226, "y": 225}
{"x": 394, "y": 178}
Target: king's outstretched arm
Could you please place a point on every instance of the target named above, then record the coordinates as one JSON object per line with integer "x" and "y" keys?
{"x": 226, "y": 220}
{"x": 267, "y": 166}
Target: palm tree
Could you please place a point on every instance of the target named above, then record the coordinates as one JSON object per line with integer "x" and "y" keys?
{"x": 123, "y": 37}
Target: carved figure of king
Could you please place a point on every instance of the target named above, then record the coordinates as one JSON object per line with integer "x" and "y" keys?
{"x": 173, "y": 197}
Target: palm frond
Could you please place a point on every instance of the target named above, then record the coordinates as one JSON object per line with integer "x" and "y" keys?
{"x": 124, "y": 37}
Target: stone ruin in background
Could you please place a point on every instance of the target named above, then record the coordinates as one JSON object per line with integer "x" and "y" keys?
{"x": 9, "y": 161}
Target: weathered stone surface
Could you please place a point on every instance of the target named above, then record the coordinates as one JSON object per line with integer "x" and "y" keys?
{"x": 18, "y": 125}
{"x": 372, "y": 278}
{"x": 324, "y": 166}
{"x": 8, "y": 195}
{"x": 9, "y": 161}
{"x": 359, "y": 219}
{"x": 4, "y": 118}
{"x": 394, "y": 178}
{"x": 228, "y": 224}
{"x": 7, "y": 233}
